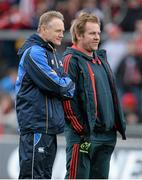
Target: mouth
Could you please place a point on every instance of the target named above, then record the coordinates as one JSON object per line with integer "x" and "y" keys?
{"x": 95, "y": 43}
{"x": 59, "y": 39}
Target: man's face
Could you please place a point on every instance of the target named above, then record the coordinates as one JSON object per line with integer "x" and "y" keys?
{"x": 53, "y": 31}
{"x": 90, "y": 39}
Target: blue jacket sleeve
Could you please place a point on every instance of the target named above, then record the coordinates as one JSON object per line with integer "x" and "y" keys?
{"x": 44, "y": 76}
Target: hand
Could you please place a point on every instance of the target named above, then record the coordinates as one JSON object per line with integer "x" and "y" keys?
{"x": 84, "y": 145}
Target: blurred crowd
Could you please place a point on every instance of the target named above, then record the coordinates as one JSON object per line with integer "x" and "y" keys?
{"x": 121, "y": 25}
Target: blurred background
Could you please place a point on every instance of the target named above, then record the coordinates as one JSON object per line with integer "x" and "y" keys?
{"x": 121, "y": 26}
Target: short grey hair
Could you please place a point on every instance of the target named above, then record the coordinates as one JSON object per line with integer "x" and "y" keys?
{"x": 48, "y": 16}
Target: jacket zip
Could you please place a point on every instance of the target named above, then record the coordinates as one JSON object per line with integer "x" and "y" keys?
{"x": 46, "y": 115}
{"x": 93, "y": 86}
{"x": 55, "y": 58}
{"x": 57, "y": 65}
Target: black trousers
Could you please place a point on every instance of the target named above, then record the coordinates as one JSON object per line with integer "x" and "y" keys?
{"x": 90, "y": 159}
{"x": 36, "y": 155}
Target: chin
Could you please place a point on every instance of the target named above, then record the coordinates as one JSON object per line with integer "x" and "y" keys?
{"x": 95, "y": 48}
{"x": 58, "y": 43}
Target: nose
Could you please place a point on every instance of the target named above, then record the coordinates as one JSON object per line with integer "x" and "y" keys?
{"x": 97, "y": 36}
{"x": 61, "y": 35}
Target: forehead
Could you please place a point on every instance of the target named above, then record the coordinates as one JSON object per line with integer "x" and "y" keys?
{"x": 92, "y": 27}
{"x": 56, "y": 23}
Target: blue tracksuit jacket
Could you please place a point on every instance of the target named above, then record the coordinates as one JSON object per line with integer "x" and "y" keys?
{"x": 40, "y": 88}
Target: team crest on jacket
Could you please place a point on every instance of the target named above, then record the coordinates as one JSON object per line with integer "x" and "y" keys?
{"x": 52, "y": 61}
{"x": 41, "y": 149}
{"x": 61, "y": 64}
{"x": 53, "y": 72}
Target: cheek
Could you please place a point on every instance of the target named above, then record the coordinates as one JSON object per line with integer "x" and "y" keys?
{"x": 89, "y": 39}
{"x": 52, "y": 37}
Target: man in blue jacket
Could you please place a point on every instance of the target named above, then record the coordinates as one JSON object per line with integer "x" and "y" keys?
{"x": 40, "y": 88}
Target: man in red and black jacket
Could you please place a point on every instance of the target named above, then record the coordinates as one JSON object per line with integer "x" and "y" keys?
{"x": 94, "y": 115}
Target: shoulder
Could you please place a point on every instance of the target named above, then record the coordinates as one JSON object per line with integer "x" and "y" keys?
{"x": 71, "y": 54}
{"x": 38, "y": 53}
{"x": 70, "y": 60}
{"x": 36, "y": 49}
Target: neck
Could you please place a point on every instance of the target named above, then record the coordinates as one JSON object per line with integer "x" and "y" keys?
{"x": 41, "y": 36}
{"x": 50, "y": 44}
{"x": 79, "y": 48}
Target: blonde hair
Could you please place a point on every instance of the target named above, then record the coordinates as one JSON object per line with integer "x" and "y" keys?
{"x": 47, "y": 17}
{"x": 78, "y": 24}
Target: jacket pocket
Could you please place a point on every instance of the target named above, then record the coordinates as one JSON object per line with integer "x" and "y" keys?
{"x": 56, "y": 113}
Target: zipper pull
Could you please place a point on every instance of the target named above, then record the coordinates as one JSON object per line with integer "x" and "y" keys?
{"x": 94, "y": 61}
{"x": 98, "y": 61}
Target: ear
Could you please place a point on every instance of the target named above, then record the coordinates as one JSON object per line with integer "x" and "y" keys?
{"x": 43, "y": 28}
{"x": 79, "y": 36}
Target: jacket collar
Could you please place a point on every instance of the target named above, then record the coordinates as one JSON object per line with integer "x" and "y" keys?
{"x": 35, "y": 39}
{"x": 76, "y": 51}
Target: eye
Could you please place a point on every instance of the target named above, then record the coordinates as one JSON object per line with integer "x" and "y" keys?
{"x": 60, "y": 31}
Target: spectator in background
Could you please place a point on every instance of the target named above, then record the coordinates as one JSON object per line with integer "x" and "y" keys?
{"x": 129, "y": 80}
{"x": 90, "y": 6}
{"x": 7, "y": 97}
{"x": 130, "y": 108}
{"x": 113, "y": 10}
{"x": 26, "y": 10}
{"x": 138, "y": 38}
{"x": 7, "y": 83}
{"x": 115, "y": 45}
{"x": 12, "y": 13}
{"x": 40, "y": 6}
{"x": 133, "y": 13}
{"x": 69, "y": 9}
{"x": 7, "y": 114}
{"x": 13, "y": 19}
